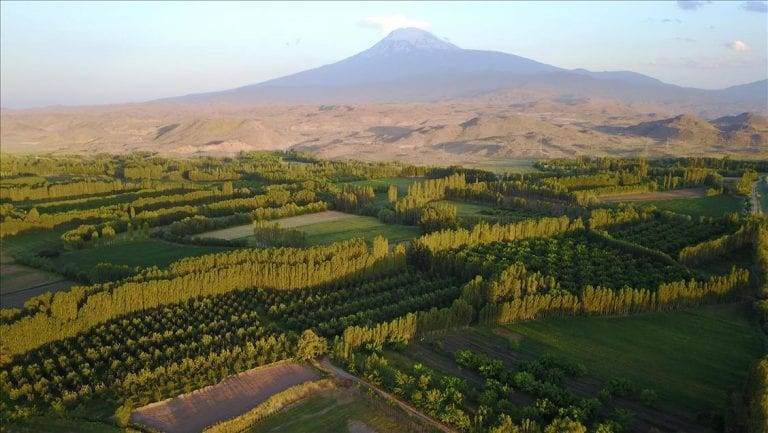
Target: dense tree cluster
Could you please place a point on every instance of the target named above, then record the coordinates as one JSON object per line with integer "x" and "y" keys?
{"x": 709, "y": 250}
{"x": 268, "y": 234}
{"x": 543, "y": 249}
{"x": 604, "y": 301}
{"x": 81, "y": 308}
{"x": 670, "y": 233}
{"x": 574, "y": 260}
{"x": 407, "y": 209}
{"x": 60, "y": 190}
{"x": 107, "y": 354}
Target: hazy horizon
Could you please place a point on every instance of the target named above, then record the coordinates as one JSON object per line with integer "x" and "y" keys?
{"x": 106, "y": 53}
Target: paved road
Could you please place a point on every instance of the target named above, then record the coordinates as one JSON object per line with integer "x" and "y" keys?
{"x": 327, "y": 366}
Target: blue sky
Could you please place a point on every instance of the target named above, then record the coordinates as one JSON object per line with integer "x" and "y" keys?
{"x": 98, "y": 53}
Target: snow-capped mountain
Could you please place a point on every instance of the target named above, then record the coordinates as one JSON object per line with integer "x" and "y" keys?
{"x": 413, "y": 65}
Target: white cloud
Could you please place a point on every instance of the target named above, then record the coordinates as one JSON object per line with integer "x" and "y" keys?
{"x": 739, "y": 45}
{"x": 387, "y": 23}
{"x": 705, "y": 63}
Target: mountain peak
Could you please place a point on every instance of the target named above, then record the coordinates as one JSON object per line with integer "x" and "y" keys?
{"x": 409, "y": 39}
{"x": 418, "y": 37}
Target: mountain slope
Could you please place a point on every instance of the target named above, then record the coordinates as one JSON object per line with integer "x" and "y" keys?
{"x": 412, "y": 65}
{"x": 745, "y": 131}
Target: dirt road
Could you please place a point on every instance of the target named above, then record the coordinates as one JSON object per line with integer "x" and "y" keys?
{"x": 327, "y": 366}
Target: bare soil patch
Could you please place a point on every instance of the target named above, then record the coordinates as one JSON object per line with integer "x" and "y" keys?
{"x": 655, "y": 195}
{"x": 192, "y": 412}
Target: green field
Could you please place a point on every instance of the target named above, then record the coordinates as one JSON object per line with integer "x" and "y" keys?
{"x": 714, "y": 206}
{"x": 59, "y": 425}
{"x": 693, "y": 359}
{"x": 473, "y": 211}
{"x": 32, "y": 242}
{"x": 329, "y": 413}
{"x": 144, "y": 252}
{"x": 468, "y": 209}
{"x": 357, "y": 227}
{"x": 504, "y": 165}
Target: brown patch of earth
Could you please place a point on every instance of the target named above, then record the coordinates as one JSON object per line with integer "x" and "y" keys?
{"x": 235, "y": 395}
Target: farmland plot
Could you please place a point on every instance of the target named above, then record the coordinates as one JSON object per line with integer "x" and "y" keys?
{"x": 245, "y": 230}
{"x": 655, "y": 195}
{"x": 192, "y": 412}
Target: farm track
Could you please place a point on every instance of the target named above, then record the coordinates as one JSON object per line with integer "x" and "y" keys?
{"x": 235, "y": 395}
{"x": 337, "y": 372}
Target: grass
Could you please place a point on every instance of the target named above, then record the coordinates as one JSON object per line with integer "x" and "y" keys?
{"x": 328, "y": 413}
{"x": 144, "y": 252}
{"x": 714, "y": 206}
{"x": 468, "y": 209}
{"x": 357, "y": 227}
{"x": 504, "y": 165}
{"x": 58, "y": 425}
{"x": 473, "y": 211}
{"x": 693, "y": 359}
{"x": 32, "y": 242}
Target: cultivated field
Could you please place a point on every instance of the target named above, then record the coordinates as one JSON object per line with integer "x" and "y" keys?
{"x": 19, "y": 282}
{"x": 504, "y": 165}
{"x": 313, "y": 218}
{"x": 243, "y": 231}
{"x": 229, "y": 233}
{"x": 714, "y": 206}
{"x": 328, "y": 226}
{"x": 694, "y": 359}
{"x": 191, "y": 413}
{"x": 145, "y": 252}
{"x": 469, "y": 209}
{"x": 335, "y": 411}
{"x": 357, "y": 227}
{"x": 654, "y": 195}
{"x": 531, "y": 319}
{"x": 712, "y": 371}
